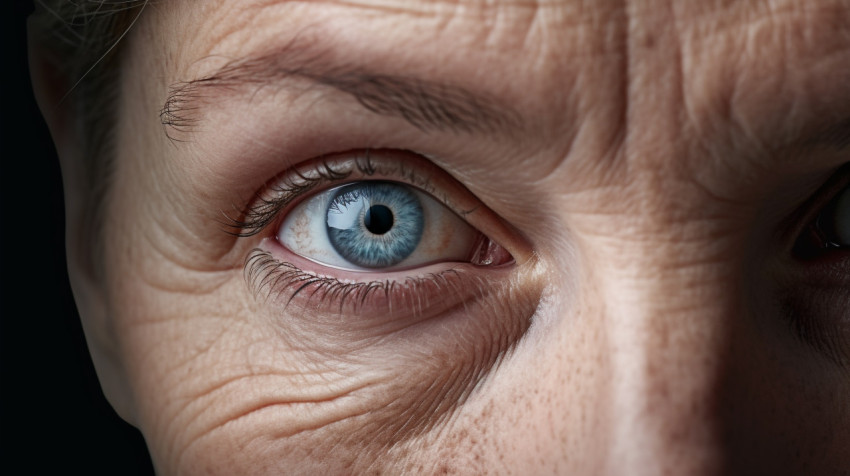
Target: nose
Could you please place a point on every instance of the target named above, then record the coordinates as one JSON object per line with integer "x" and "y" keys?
{"x": 658, "y": 317}
{"x": 673, "y": 367}
{"x": 667, "y": 319}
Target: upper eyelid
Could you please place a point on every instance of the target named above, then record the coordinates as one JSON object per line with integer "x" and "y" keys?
{"x": 319, "y": 174}
{"x": 273, "y": 200}
{"x": 265, "y": 209}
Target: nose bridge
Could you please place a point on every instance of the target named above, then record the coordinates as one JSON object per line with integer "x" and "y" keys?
{"x": 667, "y": 351}
{"x": 668, "y": 282}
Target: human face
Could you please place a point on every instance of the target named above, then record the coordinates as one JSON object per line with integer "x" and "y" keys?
{"x": 643, "y": 172}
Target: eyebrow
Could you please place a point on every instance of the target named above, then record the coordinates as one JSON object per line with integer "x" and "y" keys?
{"x": 426, "y": 105}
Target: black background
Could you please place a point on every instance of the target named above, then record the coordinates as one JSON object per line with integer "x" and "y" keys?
{"x": 55, "y": 419}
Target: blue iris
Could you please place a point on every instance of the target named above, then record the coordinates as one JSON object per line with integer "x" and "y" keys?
{"x": 375, "y": 224}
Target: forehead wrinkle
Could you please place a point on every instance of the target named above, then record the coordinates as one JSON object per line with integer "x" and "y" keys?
{"x": 716, "y": 19}
{"x": 426, "y": 6}
{"x": 228, "y": 30}
{"x": 416, "y": 8}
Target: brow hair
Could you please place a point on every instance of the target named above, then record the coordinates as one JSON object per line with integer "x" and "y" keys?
{"x": 426, "y": 105}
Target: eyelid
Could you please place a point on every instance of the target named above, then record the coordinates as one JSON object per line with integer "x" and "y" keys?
{"x": 801, "y": 221}
{"x": 404, "y": 295}
{"x": 384, "y": 300}
{"x": 320, "y": 174}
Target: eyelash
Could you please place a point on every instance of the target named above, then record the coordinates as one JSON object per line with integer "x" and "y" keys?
{"x": 813, "y": 253}
{"x": 267, "y": 210}
{"x": 266, "y": 274}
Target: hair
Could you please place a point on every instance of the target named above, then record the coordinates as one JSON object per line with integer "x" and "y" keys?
{"x": 81, "y": 41}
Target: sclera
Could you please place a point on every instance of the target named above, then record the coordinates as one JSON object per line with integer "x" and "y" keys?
{"x": 446, "y": 236}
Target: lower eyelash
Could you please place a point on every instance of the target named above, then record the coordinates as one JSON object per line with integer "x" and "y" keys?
{"x": 266, "y": 275}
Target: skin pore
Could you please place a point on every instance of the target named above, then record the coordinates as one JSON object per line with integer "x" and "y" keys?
{"x": 649, "y": 166}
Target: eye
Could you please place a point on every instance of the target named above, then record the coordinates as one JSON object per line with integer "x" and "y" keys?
{"x": 828, "y": 229}
{"x": 377, "y": 233}
{"x": 371, "y": 225}
{"x": 833, "y": 223}
{"x": 812, "y": 292}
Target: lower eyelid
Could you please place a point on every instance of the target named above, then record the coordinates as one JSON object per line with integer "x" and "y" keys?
{"x": 817, "y": 310}
{"x": 388, "y": 300}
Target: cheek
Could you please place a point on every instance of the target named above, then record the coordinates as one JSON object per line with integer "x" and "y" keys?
{"x": 542, "y": 411}
{"x": 226, "y": 369}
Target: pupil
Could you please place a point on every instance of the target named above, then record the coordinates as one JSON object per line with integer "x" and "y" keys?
{"x": 379, "y": 219}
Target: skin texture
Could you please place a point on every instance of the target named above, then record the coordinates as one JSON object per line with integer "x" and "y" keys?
{"x": 643, "y": 177}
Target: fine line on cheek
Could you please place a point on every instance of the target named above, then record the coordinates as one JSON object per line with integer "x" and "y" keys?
{"x": 449, "y": 330}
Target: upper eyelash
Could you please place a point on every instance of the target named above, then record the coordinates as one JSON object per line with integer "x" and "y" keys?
{"x": 265, "y": 209}
{"x": 256, "y": 217}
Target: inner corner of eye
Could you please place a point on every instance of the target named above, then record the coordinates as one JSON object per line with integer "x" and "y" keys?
{"x": 487, "y": 252}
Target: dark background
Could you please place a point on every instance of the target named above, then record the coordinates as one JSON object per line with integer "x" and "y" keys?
{"x": 55, "y": 419}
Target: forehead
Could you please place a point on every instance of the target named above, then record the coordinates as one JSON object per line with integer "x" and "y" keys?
{"x": 722, "y": 72}
{"x": 549, "y": 44}
{"x": 546, "y": 29}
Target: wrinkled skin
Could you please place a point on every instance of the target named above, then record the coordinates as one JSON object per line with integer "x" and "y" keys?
{"x": 643, "y": 183}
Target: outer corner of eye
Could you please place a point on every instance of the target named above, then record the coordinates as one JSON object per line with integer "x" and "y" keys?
{"x": 837, "y": 223}
{"x": 383, "y": 225}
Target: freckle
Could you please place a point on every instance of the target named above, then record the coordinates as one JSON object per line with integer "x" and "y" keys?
{"x": 447, "y": 237}
{"x": 648, "y": 40}
{"x": 488, "y": 410}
